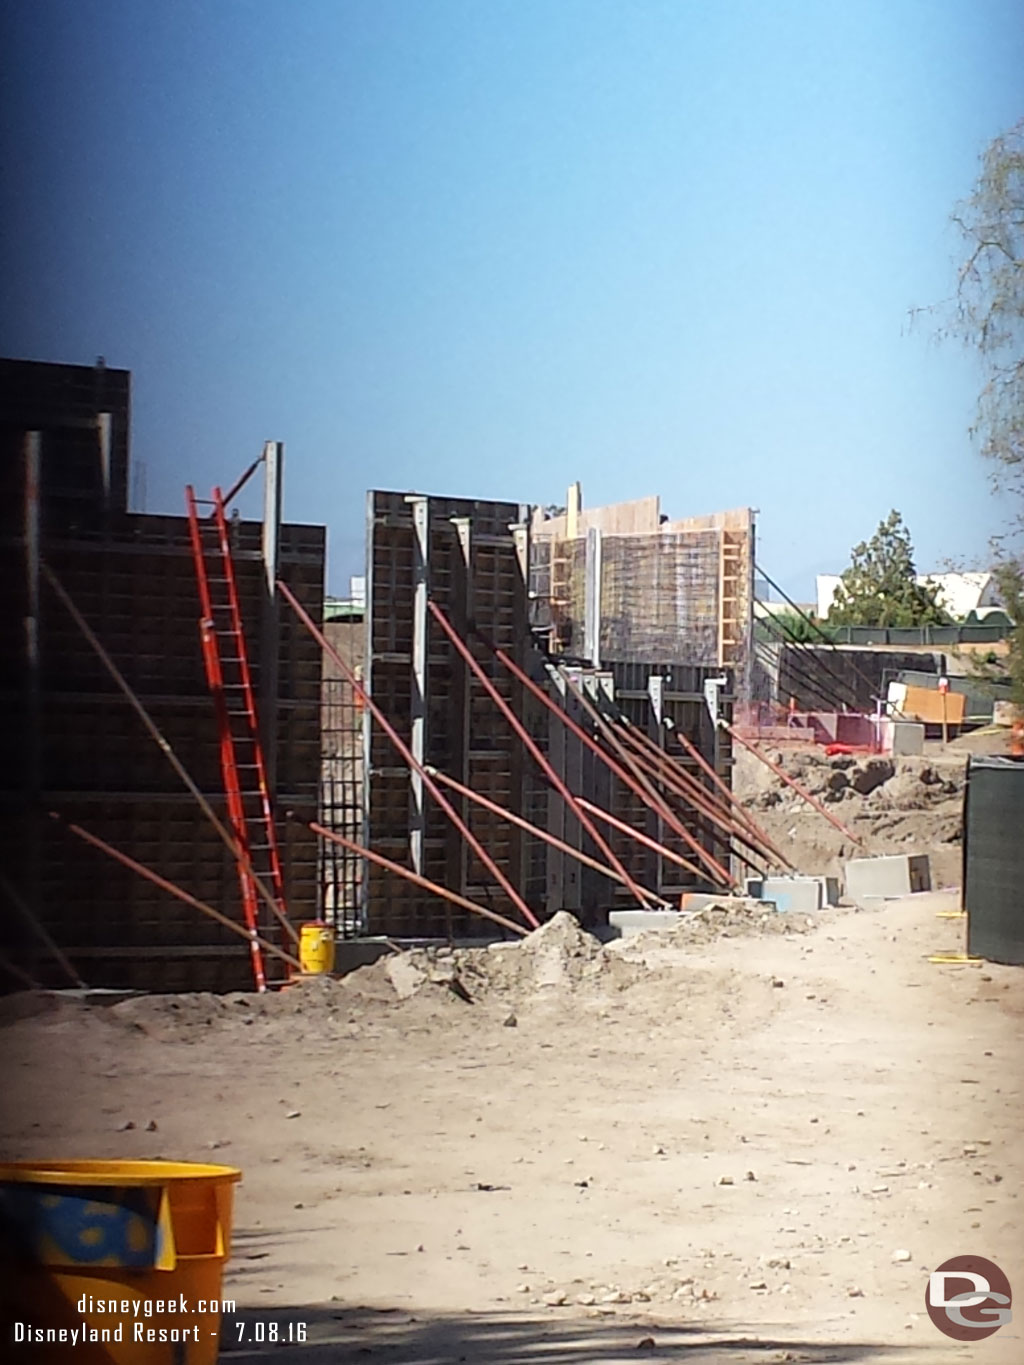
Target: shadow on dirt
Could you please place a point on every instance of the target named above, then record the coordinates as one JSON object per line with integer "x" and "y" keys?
{"x": 347, "y": 1336}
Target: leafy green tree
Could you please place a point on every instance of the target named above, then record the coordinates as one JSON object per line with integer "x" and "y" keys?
{"x": 880, "y": 587}
{"x": 792, "y": 626}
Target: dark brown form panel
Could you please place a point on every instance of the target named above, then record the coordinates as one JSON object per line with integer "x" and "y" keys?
{"x": 100, "y": 769}
{"x": 487, "y": 752}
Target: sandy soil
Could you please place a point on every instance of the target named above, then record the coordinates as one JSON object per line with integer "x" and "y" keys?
{"x": 700, "y": 1151}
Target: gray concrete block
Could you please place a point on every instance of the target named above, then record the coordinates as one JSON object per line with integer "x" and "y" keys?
{"x": 795, "y": 893}
{"x": 907, "y": 737}
{"x": 830, "y": 889}
{"x": 627, "y": 923}
{"x": 896, "y": 875}
{"x": 871, "y": 902}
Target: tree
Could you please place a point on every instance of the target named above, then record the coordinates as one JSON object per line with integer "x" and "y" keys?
{"x": 880, "y": 587}
{"x": 989, "y": 312}
{"x": 1011, "y": 583}
{"x": 989, "y": 318}
{"x": 793, "y": 626}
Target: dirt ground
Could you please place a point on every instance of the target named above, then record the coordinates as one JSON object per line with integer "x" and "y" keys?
{"x": 738, "y": 1147}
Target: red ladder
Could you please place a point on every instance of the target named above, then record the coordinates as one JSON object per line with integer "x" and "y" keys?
{"x": 241, "y": 754}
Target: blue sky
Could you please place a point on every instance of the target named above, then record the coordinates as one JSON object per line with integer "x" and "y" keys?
{"x": 487, "y": 247}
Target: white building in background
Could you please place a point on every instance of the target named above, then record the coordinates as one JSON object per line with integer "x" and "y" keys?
{"x": 958, "y": 593}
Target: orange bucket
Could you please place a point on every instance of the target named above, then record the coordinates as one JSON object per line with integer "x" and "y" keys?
{"x": 113, "y": 1262}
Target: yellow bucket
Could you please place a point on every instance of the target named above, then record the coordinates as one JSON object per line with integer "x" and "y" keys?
{"x": 316, "y": 947}
{"x": 113, "y": 1262}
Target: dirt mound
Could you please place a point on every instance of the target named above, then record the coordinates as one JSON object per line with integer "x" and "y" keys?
{"x": 27, "y": 1005}
{"x": 726, "y": 920}
{"x": 558, "y": 958}
{"x": 846, "y": 777}
{"x": 559, "y": 952}
{"x": 191, "y": 1014}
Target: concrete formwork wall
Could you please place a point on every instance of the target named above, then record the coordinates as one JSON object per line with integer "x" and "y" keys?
{"x": 467, "y": 738}
{"x": 682, "y": 702}
{"x": 83, "y": 412}
{"x": 135, "y": 584}
{"x": 464, "y": 734}
{"x": 628, "y": 687}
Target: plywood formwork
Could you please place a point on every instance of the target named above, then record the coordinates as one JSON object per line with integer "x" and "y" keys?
{"x": 623, "y": 582}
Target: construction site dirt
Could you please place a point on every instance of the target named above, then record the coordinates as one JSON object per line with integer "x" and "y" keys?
{"x": 726, "y": 1143}
{"x": 337, "y": 888}
{"x": 892, "y": 805}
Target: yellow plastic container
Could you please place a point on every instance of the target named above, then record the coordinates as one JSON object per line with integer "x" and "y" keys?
{"x": 316, "y": 947}
{"x": 125, "y": 1258}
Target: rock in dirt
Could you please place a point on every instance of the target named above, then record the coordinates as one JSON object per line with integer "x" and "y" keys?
{"x": 838, "y": 781}
{"x": 873, "y": 773}
{"x": 405, "y": 975}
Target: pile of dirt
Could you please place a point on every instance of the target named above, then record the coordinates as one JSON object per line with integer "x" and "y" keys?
{"x": 318, "y": 1005}
{"x": 733, "y": 919}
{"x": 725, "y": 919}
{"x": 559, "y": 957}
{"x": 904, "y": 805}
{"x": 559, "y": 953}
{"x": 912, "y": 783}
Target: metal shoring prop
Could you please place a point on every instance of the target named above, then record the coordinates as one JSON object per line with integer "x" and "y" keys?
{"x": 409, "y": 875}
{"x": 174, "y": 890}
{"x": 642, "y": 897}
{"x": 232, "y": 845}
{"x": 536, "y": 830}
{"x": 407, "y": 755}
